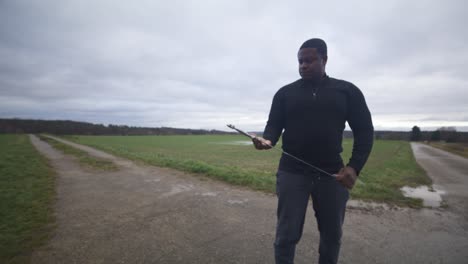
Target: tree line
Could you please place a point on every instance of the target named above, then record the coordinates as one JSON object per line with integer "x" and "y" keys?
{"x": 68, "y": 127}
{"x": 447, "y": 134}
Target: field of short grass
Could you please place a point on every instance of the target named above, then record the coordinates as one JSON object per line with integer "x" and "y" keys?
{"x": 460, "y": 149}
{"x": 232, "y": 159}
{"x": 26, "y": 195}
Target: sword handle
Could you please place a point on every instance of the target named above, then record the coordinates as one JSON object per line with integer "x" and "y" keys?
{"x": 240, "y": 131}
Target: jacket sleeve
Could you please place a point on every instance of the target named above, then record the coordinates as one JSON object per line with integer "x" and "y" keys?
{"x": 360, "y": 122}
{"x": 275, "y": 123}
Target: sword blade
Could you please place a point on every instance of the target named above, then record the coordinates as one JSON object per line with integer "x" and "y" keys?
{"x": 284, "y": 152}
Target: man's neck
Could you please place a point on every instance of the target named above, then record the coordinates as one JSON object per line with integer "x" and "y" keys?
{"x": 315, "y": 82}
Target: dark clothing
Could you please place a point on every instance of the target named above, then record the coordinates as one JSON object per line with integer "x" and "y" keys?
{"x": 313, "y": 124}
{"x": 313, "y": 116}
{"x": 329, "y": 202}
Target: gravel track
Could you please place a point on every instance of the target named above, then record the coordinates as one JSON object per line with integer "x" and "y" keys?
{"x": 146, "y": 214}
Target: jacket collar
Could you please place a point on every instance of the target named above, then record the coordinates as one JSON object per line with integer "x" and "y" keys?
{"x": 321, "y": 82}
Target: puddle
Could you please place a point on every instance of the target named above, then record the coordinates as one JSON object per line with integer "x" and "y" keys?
{"x": 357, "y": 204}
{"x": 431, "y": 197}
{"x": 153, "y": 180}
{"x": 237, "y": 142}
{"x": 178, "y": 188}
{"x": 211, "y": 194}
{"x": 237, "y": 201}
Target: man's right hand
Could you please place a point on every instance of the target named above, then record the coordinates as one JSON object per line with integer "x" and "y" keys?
{"x": 261, "y": 143}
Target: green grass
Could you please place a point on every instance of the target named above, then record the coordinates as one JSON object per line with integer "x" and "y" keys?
{"x": 460, "y": 149}
{"x": 26, "y": 195}
{"x": 390, "y": 166}
{"x": 83, "y": 157}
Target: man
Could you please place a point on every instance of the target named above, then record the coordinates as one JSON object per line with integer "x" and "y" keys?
{"x": 313, "y": 111}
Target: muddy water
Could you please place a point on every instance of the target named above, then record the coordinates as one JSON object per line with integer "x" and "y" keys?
{"x": 431, "y": 196}
{"x": 236, "y": 142}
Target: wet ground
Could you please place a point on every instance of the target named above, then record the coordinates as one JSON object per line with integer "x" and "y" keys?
{"x": 431, "y": 195}
{"x": 145, "y": 214}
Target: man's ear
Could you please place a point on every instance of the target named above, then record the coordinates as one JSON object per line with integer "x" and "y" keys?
{"x": 325, "y": 59}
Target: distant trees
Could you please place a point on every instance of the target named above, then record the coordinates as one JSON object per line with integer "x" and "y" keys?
{"x": 66, "y": 127}
{"x": 435, "y": 136}
{"x": 448, "y": 134}
{"x": 392, "y": 135}
{"x": 415, "y": 134}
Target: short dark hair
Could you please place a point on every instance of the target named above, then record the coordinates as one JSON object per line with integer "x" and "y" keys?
{"x": 316, "y": 43}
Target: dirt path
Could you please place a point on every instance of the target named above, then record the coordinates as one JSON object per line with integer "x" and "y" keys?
{"x": 144, "y": 214}
{"x": 448, "y": 171}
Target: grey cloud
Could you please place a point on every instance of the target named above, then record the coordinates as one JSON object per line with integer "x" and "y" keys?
{"x": 197, "y": 64}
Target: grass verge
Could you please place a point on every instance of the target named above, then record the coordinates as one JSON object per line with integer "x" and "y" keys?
{"x": 230, "y": 158}
{"x": 460, "y": 149}
{"x": 83, "y": 157}
{"x": 27, "y": 190}
{"x": 390, "y": 166}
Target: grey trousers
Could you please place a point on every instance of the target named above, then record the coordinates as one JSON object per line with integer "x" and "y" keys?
{"x": 329, "y": 202}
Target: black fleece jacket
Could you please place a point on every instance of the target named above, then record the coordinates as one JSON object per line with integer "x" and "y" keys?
{"x": 313, "y": 117}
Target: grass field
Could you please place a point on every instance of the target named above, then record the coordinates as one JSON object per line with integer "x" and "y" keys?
{"x": 83, "y": 157}
{"x": 460, "y": 149}
{"x": 26, "y": 193}
{"x": 230, "y": 158}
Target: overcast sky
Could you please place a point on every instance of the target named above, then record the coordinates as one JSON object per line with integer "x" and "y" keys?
{"x": 203, "y": 64}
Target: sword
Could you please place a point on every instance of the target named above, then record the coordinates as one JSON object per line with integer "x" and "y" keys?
{"x": 284, "y": 152}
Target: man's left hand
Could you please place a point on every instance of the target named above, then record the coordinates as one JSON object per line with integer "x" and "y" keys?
{"x": 347, "y": 176}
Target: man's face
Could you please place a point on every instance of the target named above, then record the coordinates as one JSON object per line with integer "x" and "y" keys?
{"x": 311, "y": 64}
